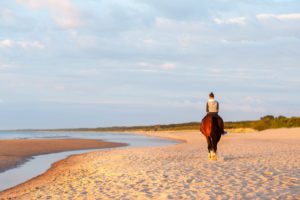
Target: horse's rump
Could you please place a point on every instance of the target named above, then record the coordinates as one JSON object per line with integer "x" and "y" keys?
{"x": 210, "y": 124}
{"x": 205, "y": 125}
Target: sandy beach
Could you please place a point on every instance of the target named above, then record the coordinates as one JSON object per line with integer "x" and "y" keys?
{"x": 260, "y": 165}
{"x": 15, "y": 152}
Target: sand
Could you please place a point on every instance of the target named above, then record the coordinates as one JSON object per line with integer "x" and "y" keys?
{"x": 15, "y": 152}
{"x": 264, "y": 165}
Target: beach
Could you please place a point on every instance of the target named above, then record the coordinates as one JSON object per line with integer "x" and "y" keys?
{"x": 15, "y": 152}
{"x": 259, "y": 165}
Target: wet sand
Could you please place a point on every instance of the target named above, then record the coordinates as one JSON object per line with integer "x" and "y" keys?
{"x": 15, "y": 152}
{"x": 260, "y": 165}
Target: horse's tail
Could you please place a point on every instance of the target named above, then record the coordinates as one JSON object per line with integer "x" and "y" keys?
{"x": 214, "y": 127}
{"x": 215, "y": 132}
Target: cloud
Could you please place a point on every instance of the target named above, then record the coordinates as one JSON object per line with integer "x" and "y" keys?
{"x": 87, "y": 72}
{"x": 59, "y": 87}
{"x": 64, "y": 13}
{"x": 7, "y": 43}
{"x": 31, "y": 44}
{"x": 84, "y": 41}
{"x": 168, "y": 66}
{"x": 6, "y": 13}
{"x": 145, "y": 65}
{"x": 149, "y": 42}
{"x": 175, "y": 25}
{"x": 243, "y": 108}
{"x": 4, "y": 66}
{"x": 151, "y": 67}
{"x": 282, "y": 17}
{"x": 234, "y": 20}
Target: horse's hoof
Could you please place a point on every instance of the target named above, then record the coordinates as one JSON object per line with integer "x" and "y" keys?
{"x": 213, "y": 156}
{"x": 209, "y": 157}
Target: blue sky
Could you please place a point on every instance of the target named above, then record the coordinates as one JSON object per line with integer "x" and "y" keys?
{"x": 95, "y": 63}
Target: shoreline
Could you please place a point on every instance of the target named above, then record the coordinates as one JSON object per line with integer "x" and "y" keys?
{"x": 269, "y": 158}
{"x": 14, "y": 152}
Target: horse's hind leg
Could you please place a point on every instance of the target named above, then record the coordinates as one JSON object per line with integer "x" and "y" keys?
{"x": 209, "y": 146}
{"x": 216, "y": 140}
{"x": 214, "y": 143}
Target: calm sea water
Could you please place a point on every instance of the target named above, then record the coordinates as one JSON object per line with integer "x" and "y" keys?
{"x": 39, "y": 164}
{"x": 131, "y": 139}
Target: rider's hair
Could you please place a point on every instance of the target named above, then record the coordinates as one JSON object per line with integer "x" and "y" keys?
{"x": 211, "y": 95}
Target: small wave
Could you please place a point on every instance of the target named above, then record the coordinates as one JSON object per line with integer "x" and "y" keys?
{"x": 55, "y": 136}
{"x": 42, "y": 137}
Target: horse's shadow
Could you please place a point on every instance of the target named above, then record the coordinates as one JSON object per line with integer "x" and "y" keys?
{"x": 232, "y": 158}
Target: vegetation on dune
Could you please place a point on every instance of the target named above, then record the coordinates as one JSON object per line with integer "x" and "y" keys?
{"x": 266, "y": 122}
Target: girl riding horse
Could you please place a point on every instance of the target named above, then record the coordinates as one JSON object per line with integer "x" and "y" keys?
{"x": 212, "y": 126}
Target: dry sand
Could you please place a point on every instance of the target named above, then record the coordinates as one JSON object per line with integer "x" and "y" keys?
{"x": 15, "y": 152}
{"x": 264, "y": 165}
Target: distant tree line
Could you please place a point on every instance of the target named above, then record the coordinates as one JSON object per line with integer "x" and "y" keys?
{"x": 266, "y": 122}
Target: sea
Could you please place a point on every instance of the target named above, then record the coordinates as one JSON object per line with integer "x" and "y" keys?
{"x": 41, "y": 163}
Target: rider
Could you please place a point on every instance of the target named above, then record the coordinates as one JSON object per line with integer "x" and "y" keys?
{"x": 212, "y": 108}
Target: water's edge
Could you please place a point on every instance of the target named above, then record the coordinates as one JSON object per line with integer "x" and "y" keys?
{"x": 37, "y": 165}
{"x": 25, "y": 159}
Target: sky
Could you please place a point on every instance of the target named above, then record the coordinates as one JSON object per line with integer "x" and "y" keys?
{"x": 74, "y": 63}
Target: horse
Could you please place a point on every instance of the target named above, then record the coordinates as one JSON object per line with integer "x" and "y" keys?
{"x": 212, "y": 128}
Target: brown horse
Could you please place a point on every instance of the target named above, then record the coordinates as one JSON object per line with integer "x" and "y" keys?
{"x": 212, "y": 128}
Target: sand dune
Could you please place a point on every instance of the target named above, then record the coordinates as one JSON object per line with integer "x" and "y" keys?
{"x": 264, "y": 165}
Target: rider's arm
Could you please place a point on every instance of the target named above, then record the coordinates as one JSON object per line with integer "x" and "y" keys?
{"x": 206, "y": 107}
